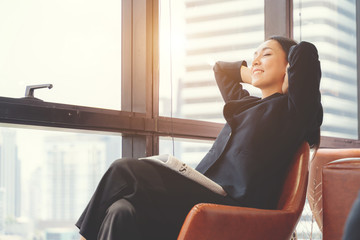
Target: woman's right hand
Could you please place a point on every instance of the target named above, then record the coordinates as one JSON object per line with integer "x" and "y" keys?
{"x": 245, "y": 74}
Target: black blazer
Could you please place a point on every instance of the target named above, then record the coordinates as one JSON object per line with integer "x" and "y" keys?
{"x": 251, "y": 155}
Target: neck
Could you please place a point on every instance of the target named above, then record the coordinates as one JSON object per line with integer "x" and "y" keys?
{"x": 268, "y": 92}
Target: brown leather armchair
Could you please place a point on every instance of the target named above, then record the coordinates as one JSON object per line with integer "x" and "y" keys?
{"x": 331, "y": 200}
{"x": 211, "y": 221}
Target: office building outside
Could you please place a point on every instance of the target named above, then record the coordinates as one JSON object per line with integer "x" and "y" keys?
{"x": 73, "y": 168}
{"x": 331, "y": 26}
{"x": 2, "y": 211}
{"x": 57, "y": 184}
{"x": 10, "y": 173}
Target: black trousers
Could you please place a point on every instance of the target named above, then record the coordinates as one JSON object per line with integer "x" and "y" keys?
{"x": 352, "y": 230}
{"x": 139, "y": 199}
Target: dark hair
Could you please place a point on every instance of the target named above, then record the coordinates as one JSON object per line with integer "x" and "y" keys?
{"x": 313, "y": 138}
{"x": 286, "y": 43}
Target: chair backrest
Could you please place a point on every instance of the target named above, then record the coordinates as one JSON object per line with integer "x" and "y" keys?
{"x": 314, "y": 190}
{"x": 293, "y": 194}
{"x": 340, "y": 187}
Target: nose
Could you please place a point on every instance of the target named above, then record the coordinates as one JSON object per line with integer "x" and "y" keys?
{"x": 256, "y": 61}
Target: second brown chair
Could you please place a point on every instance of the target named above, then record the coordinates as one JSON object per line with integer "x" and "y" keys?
{"x": 333, "y": 187}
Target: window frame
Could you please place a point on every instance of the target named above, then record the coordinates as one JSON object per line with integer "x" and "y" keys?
{"x": 138, "y": 121}
{"x": 358, "y": 60}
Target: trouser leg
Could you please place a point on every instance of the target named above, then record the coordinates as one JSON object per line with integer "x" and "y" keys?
{"x": 120, "y": 222}
{"x": 352, "y": 230}
{"x": 161, "y": 197}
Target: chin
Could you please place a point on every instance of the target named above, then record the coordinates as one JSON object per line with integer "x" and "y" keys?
{"x": 256, "y": 83}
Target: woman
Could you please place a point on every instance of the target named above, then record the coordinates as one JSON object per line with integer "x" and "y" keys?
{"x": 142, "y": 200}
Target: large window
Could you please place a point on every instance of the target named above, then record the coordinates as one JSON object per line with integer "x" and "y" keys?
{"x": 331, "y": 26}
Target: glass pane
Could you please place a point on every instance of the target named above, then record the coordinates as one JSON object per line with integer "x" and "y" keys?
{"x": 193, "y": 36}
{"x": 75, "y": 45}
{"x": 47, "y": 178}
{"x": 187, "y": 150}
{"x": 331, "y": 26}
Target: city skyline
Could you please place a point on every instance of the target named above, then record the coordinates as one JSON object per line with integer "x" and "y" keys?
{"x": 59, "y": 185}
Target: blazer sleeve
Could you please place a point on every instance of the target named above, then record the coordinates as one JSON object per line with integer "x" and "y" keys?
{"x": 304, "y": 75}
{"x": 227, "y": 75}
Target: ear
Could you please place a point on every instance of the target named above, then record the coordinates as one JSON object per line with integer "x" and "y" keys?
{"x": 285, "y": 84}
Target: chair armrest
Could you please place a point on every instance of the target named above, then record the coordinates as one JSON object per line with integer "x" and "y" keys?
{"x": 314, "y": 190}
{"x": 213, "y": 221}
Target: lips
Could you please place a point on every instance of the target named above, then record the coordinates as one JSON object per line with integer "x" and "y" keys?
{"x": 256, "y": 70}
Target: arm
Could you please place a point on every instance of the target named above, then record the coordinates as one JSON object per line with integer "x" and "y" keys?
{"x": 245, "y": 74}
{"x": 228, "y": 78}
{"x": 304, "y": 75}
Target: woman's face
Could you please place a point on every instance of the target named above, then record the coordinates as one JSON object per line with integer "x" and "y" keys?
{"x": 269, "y": 67}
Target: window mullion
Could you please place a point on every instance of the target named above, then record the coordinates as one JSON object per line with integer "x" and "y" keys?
{"x": 126, "y": 56}
{"x": 278, "y": 18}
{"x": 358, "y": 60}
{"x": 153, "y": 143}
{"x": 137, "y": 87}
